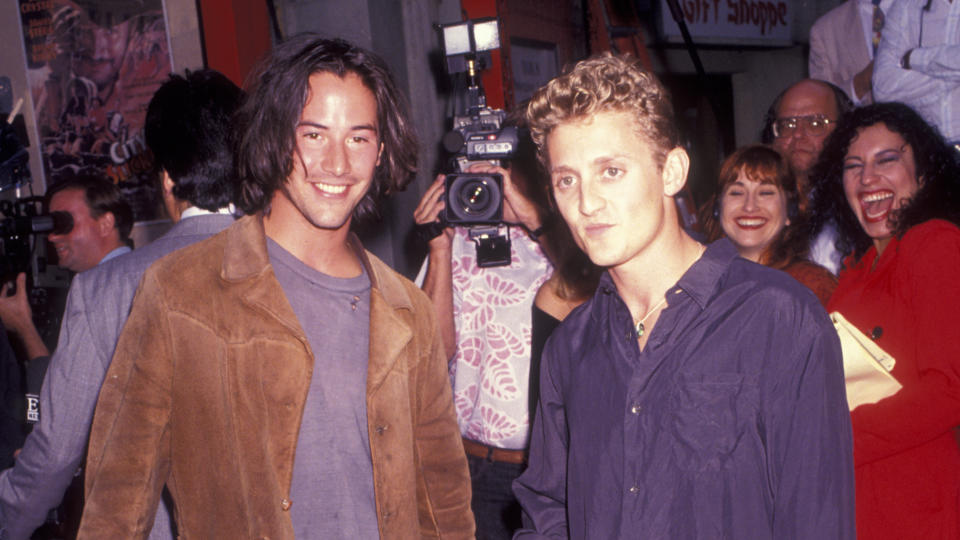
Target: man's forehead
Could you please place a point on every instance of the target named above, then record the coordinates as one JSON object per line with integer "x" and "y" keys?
{"x": 808, "y": 97}
{"x": 612, "y": 119}
{"x": 72, "y": 200}
{"x": 319, "y": 88}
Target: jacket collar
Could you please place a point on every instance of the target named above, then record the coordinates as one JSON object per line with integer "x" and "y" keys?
{"x": 247, "y": 263}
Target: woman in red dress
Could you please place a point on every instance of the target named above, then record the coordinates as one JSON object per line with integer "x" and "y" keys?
{"x": 892, "y": 186}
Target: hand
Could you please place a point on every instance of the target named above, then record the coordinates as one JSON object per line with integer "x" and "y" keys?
{"x": 15, "y": 310}
{"x": 428, "y": 211}
{"x": 862, "y": 81}
{"x": 905, "y": 59}
{"x": 517, "y": 209}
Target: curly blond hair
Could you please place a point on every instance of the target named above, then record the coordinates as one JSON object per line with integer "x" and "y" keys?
{"x": 603, "y": 83}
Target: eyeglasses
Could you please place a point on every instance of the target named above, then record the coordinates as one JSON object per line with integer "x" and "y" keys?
{"x": 813, "y": 125}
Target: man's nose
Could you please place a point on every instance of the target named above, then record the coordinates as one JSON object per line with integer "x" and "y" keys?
{"x": 335, "y": 160}
{"x": 590, "y": 200}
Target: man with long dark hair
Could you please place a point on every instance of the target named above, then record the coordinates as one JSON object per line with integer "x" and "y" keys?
{"x": 277, "y": 378}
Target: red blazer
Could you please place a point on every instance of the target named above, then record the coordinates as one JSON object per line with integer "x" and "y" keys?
{"x": 907, "y": 459}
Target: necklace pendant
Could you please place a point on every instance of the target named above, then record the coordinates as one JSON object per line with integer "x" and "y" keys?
{"x": 639, "y": 328}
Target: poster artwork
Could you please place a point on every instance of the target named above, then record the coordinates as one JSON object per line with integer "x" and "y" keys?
{"x": 93, "y": 66}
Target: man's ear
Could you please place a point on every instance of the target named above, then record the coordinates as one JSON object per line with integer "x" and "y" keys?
{"x": 106, "y": 224}
{"x": 166, "y": 183}
{"x": 675, "y": 169}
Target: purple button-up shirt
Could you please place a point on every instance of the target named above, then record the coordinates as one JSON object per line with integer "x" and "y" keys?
{"x": 731, "y": 423}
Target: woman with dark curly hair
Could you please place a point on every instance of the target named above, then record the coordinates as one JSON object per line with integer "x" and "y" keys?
{"x": 756, "y": 208}
{"x": 893, "y": 187}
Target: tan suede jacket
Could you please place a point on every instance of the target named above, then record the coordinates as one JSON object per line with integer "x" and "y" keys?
{"x": 206, "y": 391}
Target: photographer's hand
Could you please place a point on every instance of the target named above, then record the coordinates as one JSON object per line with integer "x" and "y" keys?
{"x": 438, "y": 281}
{"x": 517, "y": 208}
{"x": 428, "y": 211}
{"x": 16, "y": 315}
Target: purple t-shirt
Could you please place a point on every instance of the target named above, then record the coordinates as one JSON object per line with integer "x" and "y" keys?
{"x": 332, "y": 489}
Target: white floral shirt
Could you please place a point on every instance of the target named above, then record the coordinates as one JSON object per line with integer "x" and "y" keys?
{"x": 490, "y": 371}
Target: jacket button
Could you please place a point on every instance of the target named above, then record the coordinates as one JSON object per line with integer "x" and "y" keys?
{"x": 636, "y": 408}
{"x": 876, "y": 333}
{"x": 634, "y": 489}
{"x": 285, "y": 504}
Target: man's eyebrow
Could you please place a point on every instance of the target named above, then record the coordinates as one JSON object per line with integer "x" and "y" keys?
{"x": 600, "y": 161}
{"x": 561, "y": 168}
{"x": 307, "y": 123}
{"x": 603, "y": 160}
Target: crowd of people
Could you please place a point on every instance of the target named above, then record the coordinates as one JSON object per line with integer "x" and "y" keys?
{"x": 255, "y": 372}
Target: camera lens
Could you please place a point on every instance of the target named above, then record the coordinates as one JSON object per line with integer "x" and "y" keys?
{"x": 475, "y": 197}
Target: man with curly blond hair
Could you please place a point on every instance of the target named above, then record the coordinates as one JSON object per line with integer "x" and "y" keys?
{"x": 697, "y": 394}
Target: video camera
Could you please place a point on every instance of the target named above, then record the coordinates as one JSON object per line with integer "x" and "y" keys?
{"x": 22, "y": 221}
{"x": 475, "y": 200}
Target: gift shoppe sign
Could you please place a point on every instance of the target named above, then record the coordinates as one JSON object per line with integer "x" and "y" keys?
{"x": 747, "y": 22}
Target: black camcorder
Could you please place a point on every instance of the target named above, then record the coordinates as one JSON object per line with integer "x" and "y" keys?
{"x": 475, "y": 200}
{"x": 17, "y": 229}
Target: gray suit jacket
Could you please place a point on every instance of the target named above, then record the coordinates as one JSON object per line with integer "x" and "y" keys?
{"x": 97, "y": 307}
{"x": 838, "y": 48}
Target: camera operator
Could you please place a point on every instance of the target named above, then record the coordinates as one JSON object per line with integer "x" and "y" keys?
{"x": 484, "y": 313}
{"x": 102, "y": 220}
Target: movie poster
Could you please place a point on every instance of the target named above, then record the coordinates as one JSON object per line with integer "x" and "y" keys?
{"x": 93, "y": 66}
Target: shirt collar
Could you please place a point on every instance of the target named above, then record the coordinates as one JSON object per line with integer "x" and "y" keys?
{"x": 194, "y": 211}
{"x": 115, "y": 253}
{"x": 700, "y": 280}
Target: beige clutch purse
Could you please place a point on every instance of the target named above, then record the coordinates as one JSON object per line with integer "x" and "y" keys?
{"x": 866, "y": 367}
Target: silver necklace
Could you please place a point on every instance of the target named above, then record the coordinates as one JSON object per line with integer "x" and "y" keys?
{"x": 639, "y": 328}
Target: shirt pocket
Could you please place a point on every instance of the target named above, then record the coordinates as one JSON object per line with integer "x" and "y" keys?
{"x": 707, "y": 418}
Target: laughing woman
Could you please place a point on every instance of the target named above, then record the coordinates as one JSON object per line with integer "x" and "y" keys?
{"x": 755, "y": 208}
{"x": 893, "y": 186}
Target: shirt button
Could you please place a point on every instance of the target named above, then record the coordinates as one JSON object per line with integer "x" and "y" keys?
{"x": 380, "y": 429}
{"x": 636, "y": 408}
{"x": 285, "y": 504}
{"x": 634, "y": 489}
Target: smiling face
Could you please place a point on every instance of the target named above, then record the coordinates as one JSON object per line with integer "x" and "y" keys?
{"x": 752, "y": 213}
{"x": 337, "y": 153}
{"x": 608, "y": 187}
{"x": 879, "y": 177}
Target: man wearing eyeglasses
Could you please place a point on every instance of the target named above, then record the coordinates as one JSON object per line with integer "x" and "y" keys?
{"x": 797, "y": 124}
